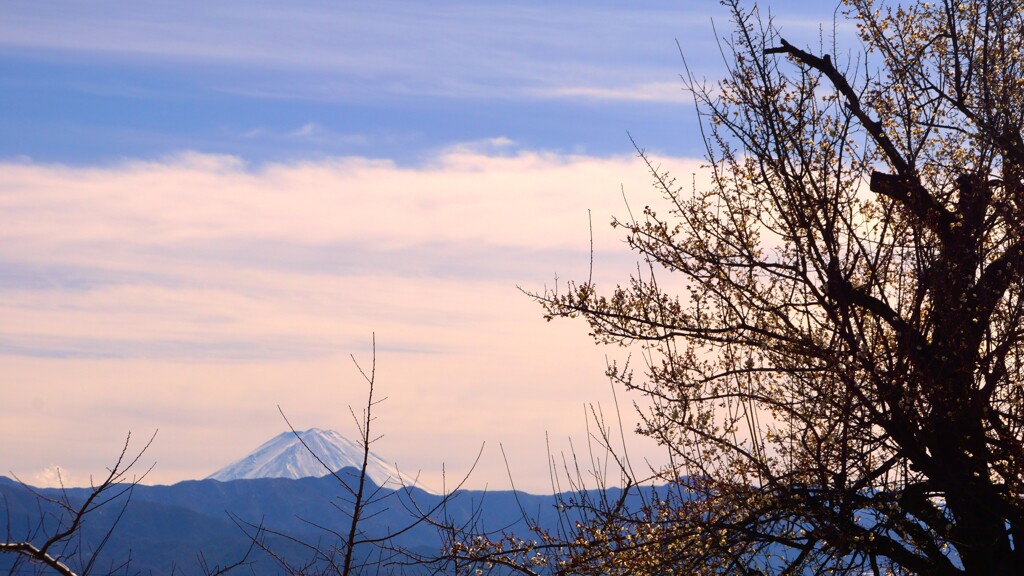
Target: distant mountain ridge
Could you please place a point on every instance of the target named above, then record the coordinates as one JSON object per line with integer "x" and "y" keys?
{"x": 291, "y": 455}
{"x": 166, "y": 528}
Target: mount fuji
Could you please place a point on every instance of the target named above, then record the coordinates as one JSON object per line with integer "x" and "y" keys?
{"x": 285, "y": 456}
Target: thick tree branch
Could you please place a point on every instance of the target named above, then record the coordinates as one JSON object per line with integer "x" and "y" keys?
{"x": 905, "y": 186}
{"x": 35, "y": 554}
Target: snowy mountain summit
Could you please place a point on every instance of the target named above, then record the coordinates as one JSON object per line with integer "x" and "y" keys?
{"x": 284, "y": 456}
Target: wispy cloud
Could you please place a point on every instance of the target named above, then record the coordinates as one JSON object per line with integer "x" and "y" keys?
{"x": 178, "y": 257}
{"x": 132, "y": 287}
{"x": 361, "y": 51}
{"x": 670, "y": 92}
{"x": 466, "y": 194}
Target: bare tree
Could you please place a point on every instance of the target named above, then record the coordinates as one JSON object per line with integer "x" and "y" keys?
{"x": 595, "y": 492}
{"x": 55, "y": 543}
{"x": 836, "y": 370}
{"x": 353, "y": 549}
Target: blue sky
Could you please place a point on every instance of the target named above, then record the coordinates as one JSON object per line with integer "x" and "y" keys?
{"x": 207, "y": 207}
{"x": 94, "y": 82}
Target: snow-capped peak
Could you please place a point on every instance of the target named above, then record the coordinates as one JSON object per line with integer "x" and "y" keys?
{"x": 284, "y": 456}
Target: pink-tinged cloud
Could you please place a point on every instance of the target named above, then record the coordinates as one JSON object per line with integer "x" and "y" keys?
{"x": 196, "y": 293}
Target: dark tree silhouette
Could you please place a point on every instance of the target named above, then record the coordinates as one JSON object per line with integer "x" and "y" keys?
{"x": 832, "y": 327}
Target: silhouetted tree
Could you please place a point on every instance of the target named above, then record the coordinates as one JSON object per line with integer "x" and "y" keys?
{"x": 54, "y": 542}
{"x": 832, "y": 327}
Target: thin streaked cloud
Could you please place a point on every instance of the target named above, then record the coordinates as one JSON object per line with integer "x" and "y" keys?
{"x": 366, "y": 50}
{"x": 652, "y": 92}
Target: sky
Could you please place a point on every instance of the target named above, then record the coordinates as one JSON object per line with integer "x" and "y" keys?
{"x": 207, "y": 209}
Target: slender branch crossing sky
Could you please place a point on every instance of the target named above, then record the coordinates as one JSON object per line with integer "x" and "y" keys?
{"x": 206, "y": 207}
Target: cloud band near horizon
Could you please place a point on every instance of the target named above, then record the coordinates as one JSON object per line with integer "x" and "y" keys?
{"x": 204, "y": 268}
